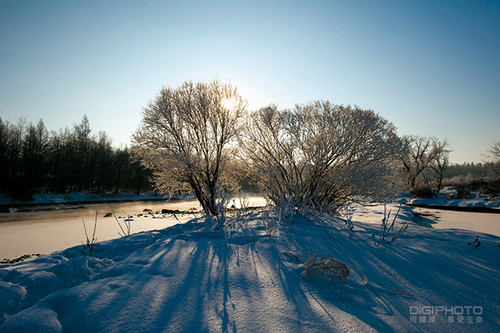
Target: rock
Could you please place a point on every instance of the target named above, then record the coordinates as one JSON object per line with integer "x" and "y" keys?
{"x": 171, "y": 211}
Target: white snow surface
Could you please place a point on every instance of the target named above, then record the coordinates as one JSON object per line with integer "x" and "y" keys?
{"x": 475, "y": 199}
{"x": 188, "y": 278}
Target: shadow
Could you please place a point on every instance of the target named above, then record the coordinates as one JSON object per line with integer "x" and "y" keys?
{"x": 187, "y": 280}
{"x": 424, "y": 221}
{"x": 360, "y": 307}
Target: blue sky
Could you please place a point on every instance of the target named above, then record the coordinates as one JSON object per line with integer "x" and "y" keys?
{"x": 430, "y": 67}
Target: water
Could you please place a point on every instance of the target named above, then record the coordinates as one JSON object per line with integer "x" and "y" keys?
{"x": 43, "y": 231}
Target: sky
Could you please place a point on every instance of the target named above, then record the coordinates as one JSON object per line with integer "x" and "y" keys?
{"x": 430, "y": 67}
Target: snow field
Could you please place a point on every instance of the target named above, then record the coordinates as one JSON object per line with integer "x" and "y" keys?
{"x": 187, "y": 278}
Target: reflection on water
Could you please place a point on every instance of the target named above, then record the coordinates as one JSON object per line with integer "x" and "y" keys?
{"x": 45, "y": 231}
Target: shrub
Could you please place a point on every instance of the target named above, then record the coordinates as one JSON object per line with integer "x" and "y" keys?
{"x": 422, "y": 191}
{"x": 125, "y": 229}
{"x": 492, "y": 187}
{"x": 319, "y": 156}
{"x": 271, "y": 221}
{"x": 331, "y": 268}
{"x": 385, "y": 228}
{"x": 462, "y": 192}
{"x": 89, "y": 245}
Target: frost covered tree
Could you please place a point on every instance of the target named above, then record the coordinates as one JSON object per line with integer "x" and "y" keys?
{"x": 186, "y": 137}
{"x": 319, "y": 156}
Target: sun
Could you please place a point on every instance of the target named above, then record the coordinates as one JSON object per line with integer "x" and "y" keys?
{"x": 228, "y": 104}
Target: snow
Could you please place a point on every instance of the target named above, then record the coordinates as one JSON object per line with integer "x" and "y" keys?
{"x": 435, "y": 218}
{"x": 50, "y": 230}
{"x": 187, "y": 278}
{"x": 443, "y": 219}
{"x": 475, "y": 199}
{"x": 48, "y": 235}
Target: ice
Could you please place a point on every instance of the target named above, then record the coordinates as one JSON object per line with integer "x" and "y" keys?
{"x": 52, "y": 230}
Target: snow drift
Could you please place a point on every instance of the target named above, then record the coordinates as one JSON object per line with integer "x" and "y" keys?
{"x": 187, "y": 278}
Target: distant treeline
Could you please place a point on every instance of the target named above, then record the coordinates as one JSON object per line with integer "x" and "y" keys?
{"x": 32, "y": 159}
{"x": 475, "y": 169}
{"x": 484, "y": 177}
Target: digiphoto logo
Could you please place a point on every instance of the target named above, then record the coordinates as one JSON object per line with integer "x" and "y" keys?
{"x": 461, "y": 314}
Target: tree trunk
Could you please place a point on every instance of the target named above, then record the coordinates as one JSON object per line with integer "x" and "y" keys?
{"x": 207, "y": 203}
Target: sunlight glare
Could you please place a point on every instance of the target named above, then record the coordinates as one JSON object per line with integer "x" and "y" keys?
{"x": 228, "y": 104}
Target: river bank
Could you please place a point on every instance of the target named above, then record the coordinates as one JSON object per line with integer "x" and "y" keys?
{"x": 46, "y": 231}
{"x": 58, "y": 201}
{"x": 457, "y": 208}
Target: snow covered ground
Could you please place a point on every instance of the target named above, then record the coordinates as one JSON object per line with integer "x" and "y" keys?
{"x": 187, "y": 278}
{"x": 437, "y": 218}
{"x": 444, "y": 198}
{"x": 443, "y": 219}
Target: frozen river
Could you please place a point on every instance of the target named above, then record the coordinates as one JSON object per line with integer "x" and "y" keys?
{"x": 47, "y": 231}
{"x": 446, "y": 219}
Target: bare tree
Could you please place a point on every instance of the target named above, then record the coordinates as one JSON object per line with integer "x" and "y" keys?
{"x": 34, "y": 149}
{"x": 418, "y": 154}
{"x": 494, "y": 156}
{"x": 319, "y": 155}
{"x": 494, "y": 152}
{"x": 441, "y": 162}
{"x": 186, "y": 138}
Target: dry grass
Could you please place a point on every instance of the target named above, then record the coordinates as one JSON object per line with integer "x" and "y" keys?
{"x": 331, "y": 268}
